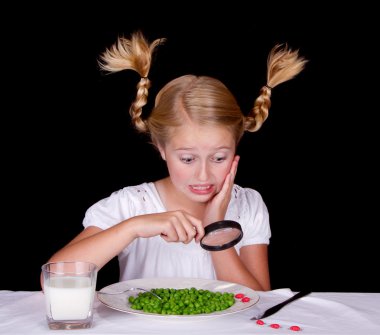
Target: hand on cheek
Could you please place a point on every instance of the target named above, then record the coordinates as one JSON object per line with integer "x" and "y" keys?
{"x": 217, "y": 207}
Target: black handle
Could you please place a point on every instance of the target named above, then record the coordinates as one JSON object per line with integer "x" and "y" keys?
{"x": 277, "y": 307}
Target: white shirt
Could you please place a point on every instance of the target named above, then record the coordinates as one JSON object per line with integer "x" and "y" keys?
{"x": 154, "y": 257}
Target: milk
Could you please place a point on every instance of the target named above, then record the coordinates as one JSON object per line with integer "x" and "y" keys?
{"x": 69, "y": 298}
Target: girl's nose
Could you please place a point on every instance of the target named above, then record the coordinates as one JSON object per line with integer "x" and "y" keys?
{"x": 203, "y": 172}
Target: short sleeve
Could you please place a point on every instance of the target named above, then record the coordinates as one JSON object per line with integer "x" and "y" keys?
{"x": 109, "y": 211}
{"x": 254, "y": 217}
{"x": 122, "y": 205}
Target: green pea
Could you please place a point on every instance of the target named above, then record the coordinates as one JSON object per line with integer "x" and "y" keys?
{"x": 181, "y": 301}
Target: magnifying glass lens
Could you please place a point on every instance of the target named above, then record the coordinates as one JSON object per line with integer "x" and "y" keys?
{"x": 221, "y": 235}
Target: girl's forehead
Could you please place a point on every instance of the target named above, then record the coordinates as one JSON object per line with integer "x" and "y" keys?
{"x": 192, "y": 136}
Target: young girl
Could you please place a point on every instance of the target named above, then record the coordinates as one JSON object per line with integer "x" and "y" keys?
{"x": 196, "y": 125}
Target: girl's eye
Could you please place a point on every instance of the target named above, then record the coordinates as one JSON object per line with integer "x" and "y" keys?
{"x": 219, "y": 159}
{"x": 187, "y": 159}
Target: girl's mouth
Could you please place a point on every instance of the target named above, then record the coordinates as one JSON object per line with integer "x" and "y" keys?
{"x": 201, "y": 189}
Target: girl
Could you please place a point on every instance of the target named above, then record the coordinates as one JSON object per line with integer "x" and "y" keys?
{"x": 196, "y": 125}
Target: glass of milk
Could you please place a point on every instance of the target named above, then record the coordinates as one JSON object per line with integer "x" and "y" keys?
{"x": 69, "y": 289}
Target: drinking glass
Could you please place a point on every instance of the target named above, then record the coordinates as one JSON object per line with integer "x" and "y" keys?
{"x": 69, "y": 289}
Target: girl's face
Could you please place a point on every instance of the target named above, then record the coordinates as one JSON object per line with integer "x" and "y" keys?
{"x": 198, "y": 160}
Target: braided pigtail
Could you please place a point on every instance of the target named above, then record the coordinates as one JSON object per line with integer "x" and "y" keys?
{"x": 133, "y": 54}
{"x": 283, "y": 64}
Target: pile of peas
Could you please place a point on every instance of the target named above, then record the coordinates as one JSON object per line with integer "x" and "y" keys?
{"x": 182, "y": 301}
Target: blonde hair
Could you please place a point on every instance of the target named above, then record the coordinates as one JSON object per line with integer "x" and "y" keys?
{"x": 199, "y": 99}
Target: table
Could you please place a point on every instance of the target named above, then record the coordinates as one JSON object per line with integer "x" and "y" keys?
{"x": 23, "y": 312}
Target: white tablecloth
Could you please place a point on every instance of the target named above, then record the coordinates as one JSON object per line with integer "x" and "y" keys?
{"x": 23, "y": 312}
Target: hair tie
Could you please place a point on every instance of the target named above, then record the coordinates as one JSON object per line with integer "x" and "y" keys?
{"x": 144, "y": 77}
{"x": 267, "y": 86}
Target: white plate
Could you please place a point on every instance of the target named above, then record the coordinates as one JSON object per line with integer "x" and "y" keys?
{"x": 120, "y": 301}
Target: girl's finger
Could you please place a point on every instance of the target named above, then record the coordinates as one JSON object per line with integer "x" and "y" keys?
{"x": 229, "y": 181}
{"x": 197, "y": 227}
{"x": 234, "y": 165}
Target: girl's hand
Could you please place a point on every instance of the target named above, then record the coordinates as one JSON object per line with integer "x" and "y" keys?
{"x": 173, "y": 226}
{"x": 217, "y": 207}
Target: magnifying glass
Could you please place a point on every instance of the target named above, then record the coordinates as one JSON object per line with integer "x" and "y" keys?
{"x": 221, "y": 235}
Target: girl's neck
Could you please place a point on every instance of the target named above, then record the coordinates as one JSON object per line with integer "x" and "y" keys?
{"x": 174, "y": 200}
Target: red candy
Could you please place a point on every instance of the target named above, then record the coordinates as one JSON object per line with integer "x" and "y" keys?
{"x": 275, "y": 325}
{"x": 239, "y": 296}
{"x": 245, "y": 299}
{"x": 295, "y": 328}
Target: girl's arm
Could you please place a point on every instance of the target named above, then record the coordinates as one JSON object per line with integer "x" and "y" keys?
{"x": 250, "y": 268}
{"x": 100, "y": 246}
{"x": 96, "y": 245}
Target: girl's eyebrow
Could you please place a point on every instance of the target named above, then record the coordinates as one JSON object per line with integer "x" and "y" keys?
{"x": 184, "y": 148}
{"x": 192, "y": 148}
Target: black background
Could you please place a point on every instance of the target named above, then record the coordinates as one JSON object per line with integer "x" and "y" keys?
{"x": 67, "y": 140}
